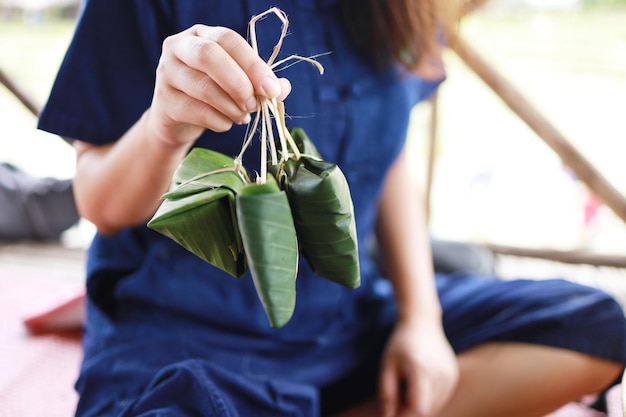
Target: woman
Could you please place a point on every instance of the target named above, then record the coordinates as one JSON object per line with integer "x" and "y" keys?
{"x": 167, "y": 334}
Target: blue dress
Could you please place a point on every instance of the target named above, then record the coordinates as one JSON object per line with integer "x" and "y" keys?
{"x": 168, "y": 334}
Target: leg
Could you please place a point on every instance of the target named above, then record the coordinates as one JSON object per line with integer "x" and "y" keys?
{"x": 518, "y": 380}
{"x": 524, "y": 377}
{"x": 522, "y": 380}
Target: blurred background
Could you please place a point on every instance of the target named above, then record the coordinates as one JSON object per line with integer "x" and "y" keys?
{"x": 493, "y": 180}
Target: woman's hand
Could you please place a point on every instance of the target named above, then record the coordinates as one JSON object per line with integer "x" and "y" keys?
{"x": 419, "y": 371}
{"x": 208, "y": 78}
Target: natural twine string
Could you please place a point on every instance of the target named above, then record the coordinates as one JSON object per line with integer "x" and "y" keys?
{"x": 268, "y": 108}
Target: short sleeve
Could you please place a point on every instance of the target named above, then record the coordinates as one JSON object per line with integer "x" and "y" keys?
{"x": 106, "y": 79}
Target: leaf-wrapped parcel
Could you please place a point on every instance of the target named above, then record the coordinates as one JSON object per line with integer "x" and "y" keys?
{"x": 214, "y": 211}
{"x": 199, "y": 211}
{"x": 271, "y": 246}
{"x": 323, "y": 213}
{"x": 217, "y": 213}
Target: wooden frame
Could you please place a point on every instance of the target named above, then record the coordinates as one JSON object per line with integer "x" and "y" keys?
{"x": 569, "y": 155}
{"x": 23, "y": 97}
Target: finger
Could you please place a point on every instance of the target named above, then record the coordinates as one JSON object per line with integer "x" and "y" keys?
{"x": 203, "y": 88}
{"x": 285, "y": 89}
{"x": 388, "y": 391}
{"x": 260, "y": 76}
{"x": 208, "y": 57}
{"x": 419, "y": 395}
{"x": 186, "y": 109}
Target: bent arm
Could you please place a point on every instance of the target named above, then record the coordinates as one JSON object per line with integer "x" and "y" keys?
{"x": 120, "y": 184}
{"x": 405, "y": 244}
{"x": 419, "y": 369}
{"x": 207, "y": 78}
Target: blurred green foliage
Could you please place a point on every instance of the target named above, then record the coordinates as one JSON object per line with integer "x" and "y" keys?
{"x": 592, "y": 3}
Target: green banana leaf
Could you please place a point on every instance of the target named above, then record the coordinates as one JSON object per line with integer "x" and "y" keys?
{"x": 204, "y": 223}
{"x": 214, "y": 211}
{"x": 324, "y": 219}
{"x": 189, "y": 178}
{"x": 271, "y": 247}
{"x": 199, "y": 211}
{"x": 323, "y": 213}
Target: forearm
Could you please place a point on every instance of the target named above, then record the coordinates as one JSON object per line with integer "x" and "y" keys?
{"x": 120, "y": 185}
{"x": 419, "y": 370}
{"x": 405, "y": 245}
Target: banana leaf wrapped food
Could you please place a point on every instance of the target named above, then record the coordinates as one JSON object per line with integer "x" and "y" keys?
{"x": 199, "y": 210}
{"x": 271, "y": 247}
{"x": 215, "y": 212}
{"x": 323, "y": 213}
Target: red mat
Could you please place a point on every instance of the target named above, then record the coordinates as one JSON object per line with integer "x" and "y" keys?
{"x": 38, "y": 370}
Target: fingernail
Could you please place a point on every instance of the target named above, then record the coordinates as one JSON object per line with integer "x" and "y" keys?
{"x": 245, "y": 120}
{"x": 270, "y": 87}
{"x": 251, "y": 105}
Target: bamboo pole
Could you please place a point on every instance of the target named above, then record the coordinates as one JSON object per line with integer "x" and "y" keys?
{"x": 17, "y": 92}
{"x": 432, "y": 145}
{"x": 570, "y": 257}
{"x": 23, "y": 98}
{"x": 537, "y": 122}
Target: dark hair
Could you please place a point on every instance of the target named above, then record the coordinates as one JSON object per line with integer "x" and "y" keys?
{"x": 402, "y": 31}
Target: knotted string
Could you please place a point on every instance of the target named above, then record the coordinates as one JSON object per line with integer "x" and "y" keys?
{"x": 268, "y": 108}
